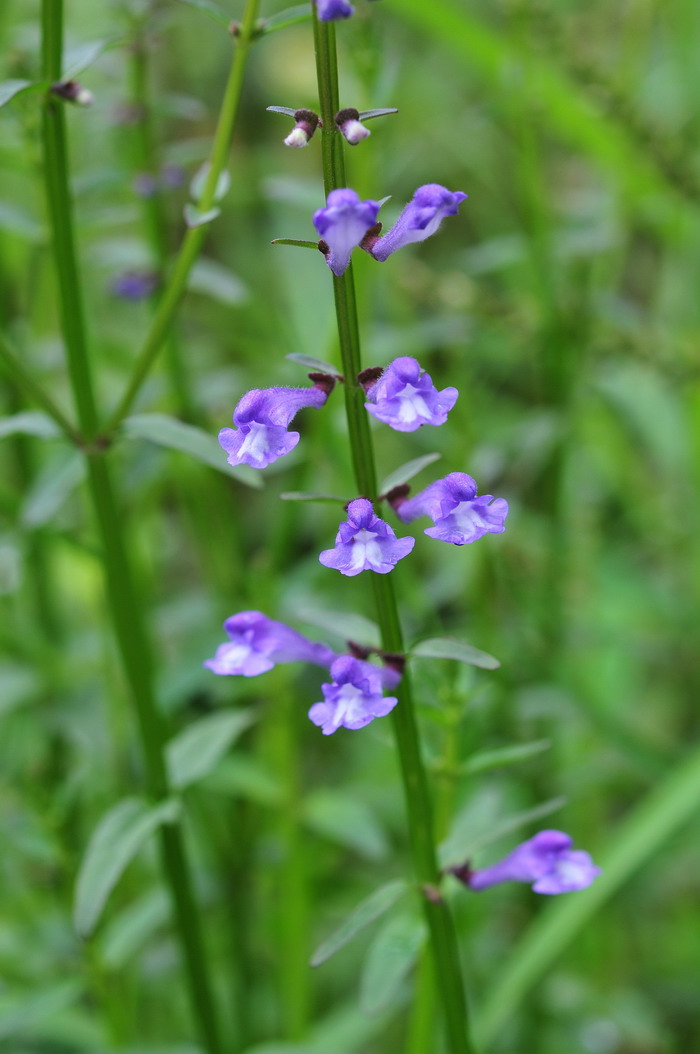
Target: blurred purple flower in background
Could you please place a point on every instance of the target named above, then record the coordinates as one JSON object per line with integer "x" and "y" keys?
{"x": 354, "y": 697}
{"x": 460, "y": 517}
{"x": 342, "y": 225}
{"x": 262, "y": 418}
{"x": 257, "y": 643}
{"x": 365, "y": 543}
{"x": 331, "y": 10}
{"x": 547, "y": 861}
{"x": 405, "y": 397}
{"x": 133, "y": 285}
{"x": 419, "y": 219}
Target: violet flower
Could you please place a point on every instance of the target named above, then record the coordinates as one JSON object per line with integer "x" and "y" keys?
{"x": 332, "y": 10}
{"x": 350, "y": 126}
{"x": 353, "y": 698}
{"x": 365, "y": 543}
{"x": 405, "y": 397}
{"x": 262, "y": 418}
{"x": 257, "y": 643}
{"x": 133, "y": 285}
{"x": 460, "y": 517}
{"x": 419, "y": 219}
{"x": 343, "y": 224}
{"x": 547, "y": 861}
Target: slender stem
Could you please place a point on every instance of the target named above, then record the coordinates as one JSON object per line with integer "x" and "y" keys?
{"x": 21, "y": 375}
{"x": 125, "y": 604}
{"x": 443, "y": 937}
{"x": 194, "y": 238}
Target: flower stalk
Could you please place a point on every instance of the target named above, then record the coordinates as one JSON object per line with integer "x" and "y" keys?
{"x": 443, "y": 938}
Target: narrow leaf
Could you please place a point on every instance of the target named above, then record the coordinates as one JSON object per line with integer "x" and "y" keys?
{"x": 446, "y": 648}
{"x": 10, "y": 89}
{"x": 81, "y": 56}
{"x": 407, "y": 471}
{"x": 114, "y": 844}
{"x": 390, "y": 958}
{"x": 294, "y": 241}
{"x": 212, "y": 10}
{"x": 301, "y": 495}
{"x": 193, "y": 753}
{"x": 345, "y": 819}
{"x": 195, "y": 218}
{"x": 366, "y": 115}
{"x": 214, "y": 280}
{"x": 496, "y": 759}
{"x": 366, "y": 912}
{"x": 56, "y": 481}
{"x": 201, "y": 177}
{"x": 344, "y": 625}
{"x": 286, "y": 110}
{"x": 290, "y": 17}
{"x": 312, "y": 363}
{"x": 30, "y": 423}
{"x": 175, "y": 435}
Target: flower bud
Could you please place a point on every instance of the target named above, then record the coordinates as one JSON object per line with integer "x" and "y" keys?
{"x": 73, "y": 92}
{"x": 350, "y": 126}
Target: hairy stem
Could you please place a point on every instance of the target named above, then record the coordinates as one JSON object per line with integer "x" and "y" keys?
{"x": 125, "y": 604}
{"x": 443, "y": 939}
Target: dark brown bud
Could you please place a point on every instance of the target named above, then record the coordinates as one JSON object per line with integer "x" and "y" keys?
{"x": 369, "y": 376}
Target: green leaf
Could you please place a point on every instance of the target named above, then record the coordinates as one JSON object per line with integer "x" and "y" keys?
{"x": 56, "y": 481}
{"x": 391, "y": 956}
{"x": 295, "y": 241}
{"x": 289, "y": 17}
{"x": 114, "y": 844}
{"x": 193, "y": 753}
{"x": 496, "y": 759}
{"x": 212, "y": 10}
{"x": 344, "y": 625}
{"x": 200, "y": 178}
{"x": 446, "y": 648}
{"x": 12, "y": 88}
{"x": 313, "y": 364}
{"x": 367, "y": 115}
{"x": 30, "y": 423}
{"x": 345, "y": 819}
{"x": 302, "y": 495}
{"x": 210, "y": 278}
{"x": 407, "y": 471}
{"x": 175, "y": 435}
{"x": 466, "y": 838}
{"x": 366, "y": 912}
{"x": 15, "y": 220}
{"x": 81, "y": 56}
{"x": 29, "y": 1010}
{"x": 195, "y": 218}
{"x": 131, "y": 929}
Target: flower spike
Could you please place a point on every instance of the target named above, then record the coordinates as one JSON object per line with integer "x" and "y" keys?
{"x": 342, "y": 225}
{"x": 547, "y": 861}
{"x": 262, "y": 418}
{"x": 365, "y": 543}
{"x": 419, "y": 219}
{"x": 257, "y": 643}
{"x": 405, "y": 397}
{"x": 459, "y": 516}
{"x": 354, "y": 697}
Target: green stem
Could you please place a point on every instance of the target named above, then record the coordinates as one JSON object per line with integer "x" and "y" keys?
{"x": 194, "y": 238}
{"x": 443, "y": 937}
{"x": 125, "y": 604}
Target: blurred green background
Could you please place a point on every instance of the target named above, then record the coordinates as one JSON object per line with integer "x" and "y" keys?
{"x": 563, "y": 304}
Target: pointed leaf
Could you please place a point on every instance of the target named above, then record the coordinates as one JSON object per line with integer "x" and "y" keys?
{"x": 344, "y": 625}
{"x": 463, "y": 840}
{"x": 294, "y": 241}
{"x": 367, "y": 115}
{"x": 212, "y": 10}
{"x": 286, "y": 110}
{"x": 193, "y": 753}
{"x": 496, "y": 759}
{"x": 366, "y": 912}
{"x": 175, "y": 435}
{"x": 114, "y": 843}
{"x": 30, "y": 423}
{"x": 10, "y": 89}
{"x": 195, "y": 218}
{"x": 407, "y": 471}
{"x": 81, "y": 56}
{"x": 312, "y": 363}
{"x": 345, "y": 819}
{"x": 56, "y": 481}
{"x": 301, "y": 495}
{"x": 391, "y": 956}
{"x": 216, "y": 281}
{"x": 446, "y": 648}
{"x": 289, "y": 17}
{"x": 200, "y": 178}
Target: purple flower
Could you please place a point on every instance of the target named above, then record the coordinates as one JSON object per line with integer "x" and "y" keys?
{"x": 343, "y": 224}
{"x": 258, "y": 643}
{"x": 331, "y": 10}
{"x": 262, "y": 418}
{"x": 133, "y": 285}
{"x": 350, "y": 126}
{"x": 405, "y": 397}
{"x": 460, "y": 517}
{"x": 419, "y": 219}
{"x": 365, "y": 543}
{"x": 145, "y": 184}
{"x": 547, "y": 861}
{"x": 354, "y": 697}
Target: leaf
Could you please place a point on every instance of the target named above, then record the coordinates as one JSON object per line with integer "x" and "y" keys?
{"x": 114, "y": 844}
{"x": 345, "y": 819}
{"x": 210, "y": 278}
{"x": 193, "y": 753}
{"x": 29, "y": 423}
{"x": 15, "y": 220}
{"x": 195, "y": 218}
{"x": 302, "y": 495}
{"x": 81, "y": 56}
{"x": 367, "y": 115}
{"x": 407, "y": 471}
{"x": 446, "y": 648}
{"x": 294, "y": 241}
{"x": 286, "y": 110}
{"x": 464, "y": 840}
{"x": 366, "y": 912}
{"x": 289, "y": 17}
{"x": 55, "y": 483}
{"x": 311, "y": 363}
{"x": 175, "y": 435}
{"x": 131, "y": 929}
{"x": 201, "y": 177}
{"x": 29, "y": 1010}
{"x": 344, "y": 625}
{"x": 494, "y": 759}
{"x": 12, "y": 88}
{"x": 212, "y": 10}
{"x": 391, "y": 956}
